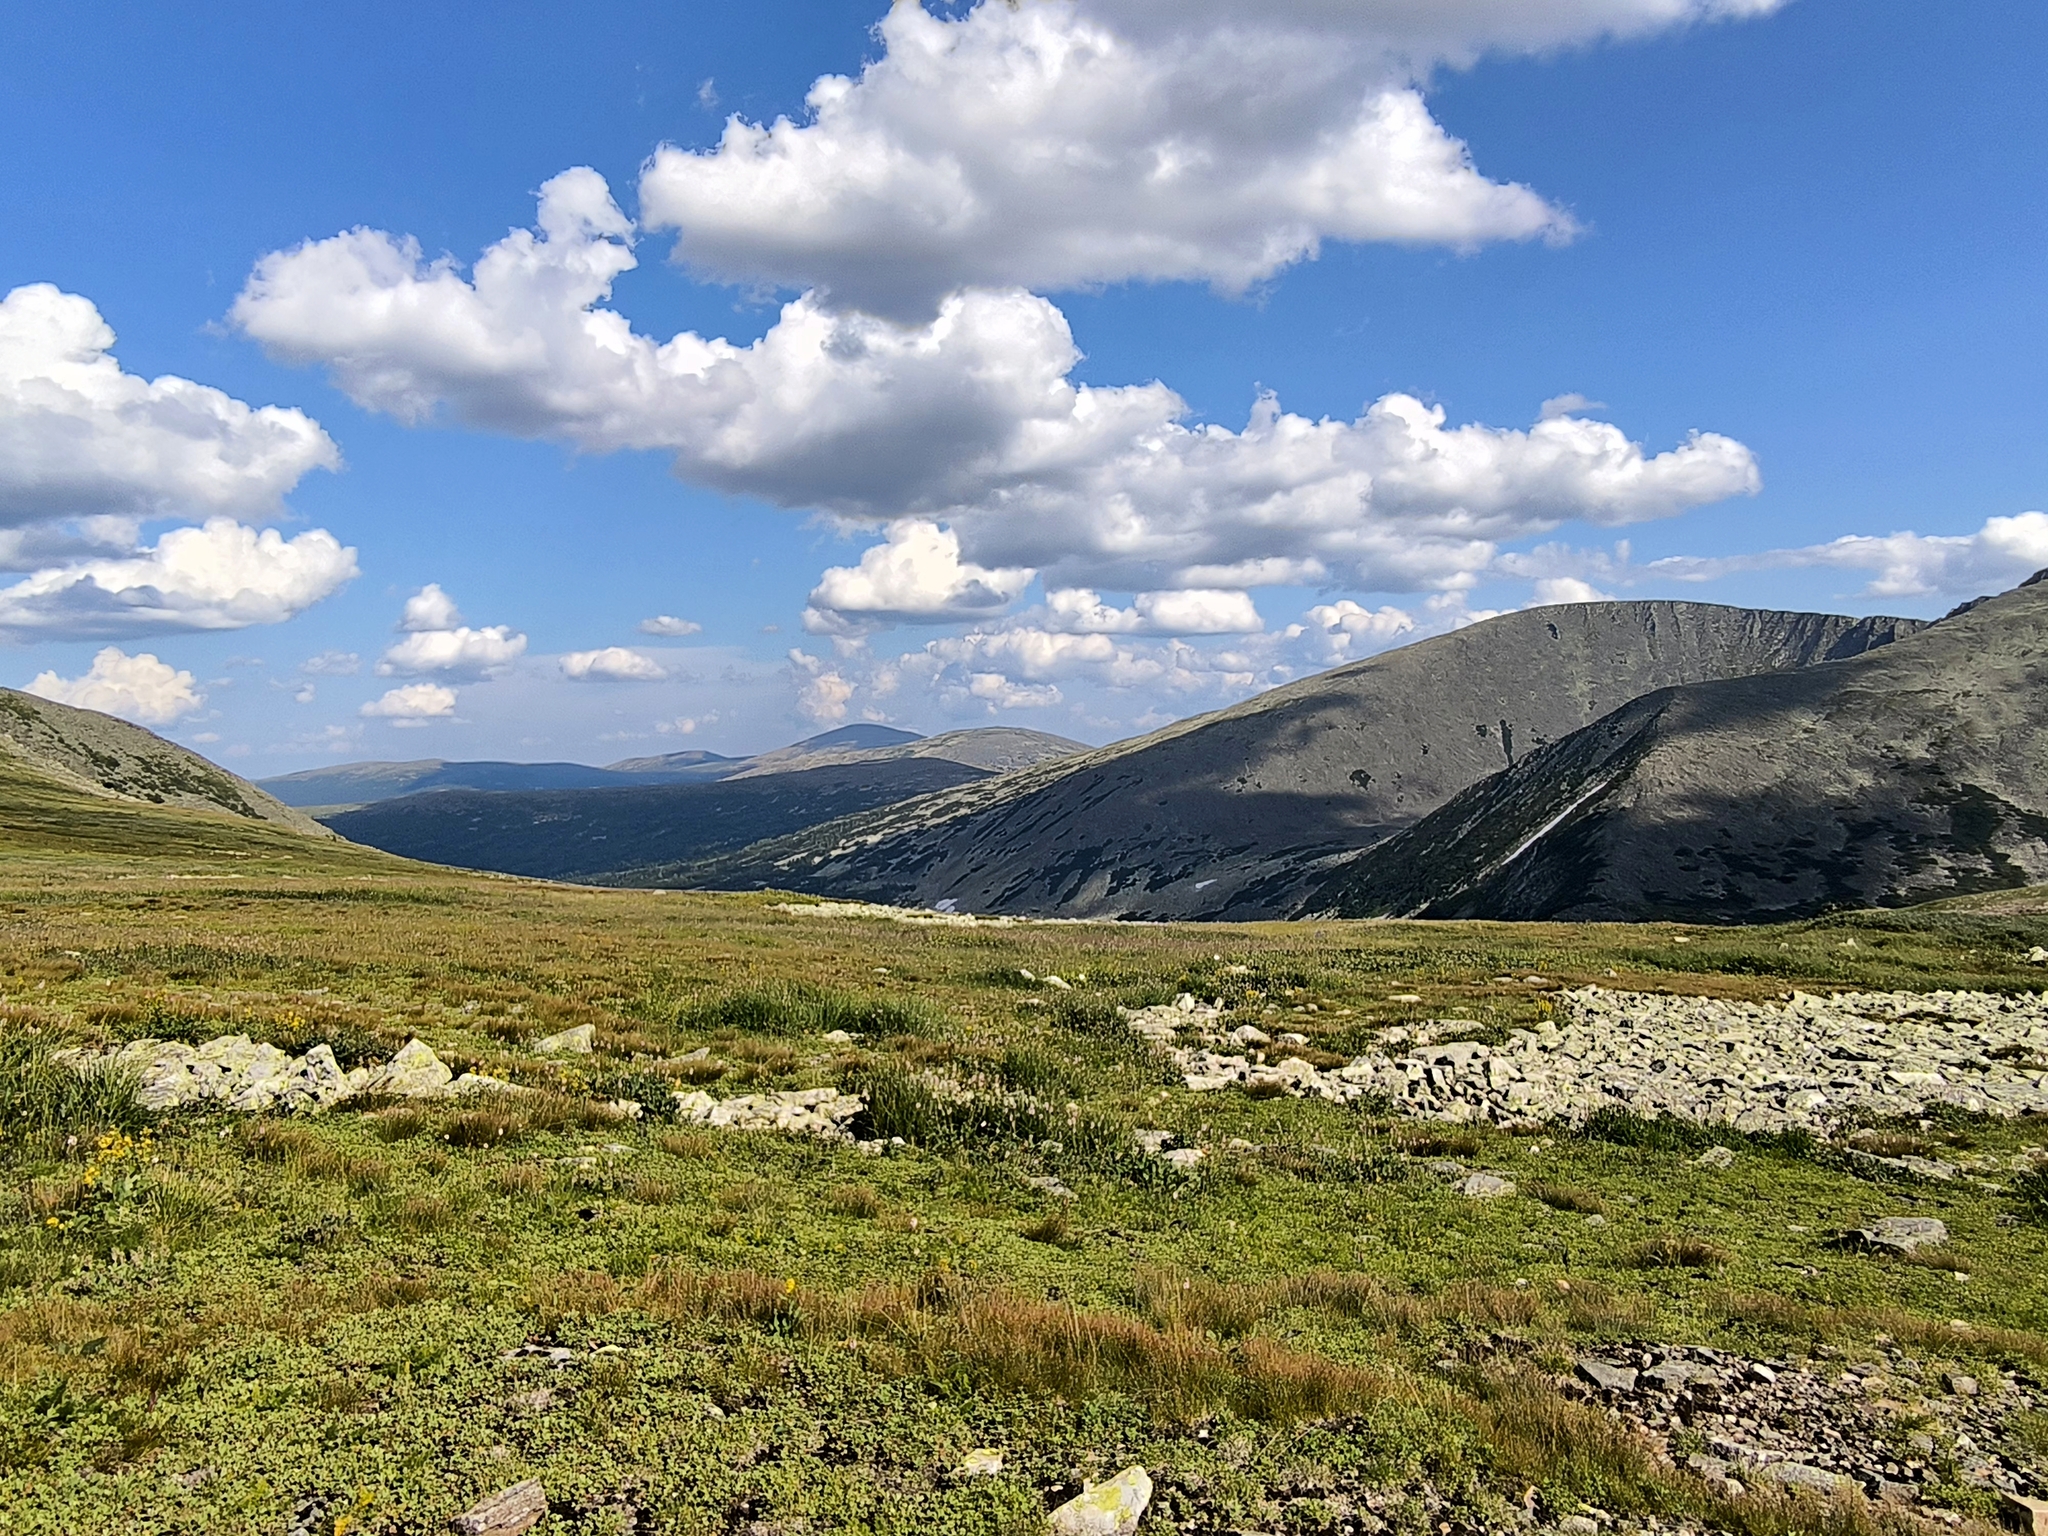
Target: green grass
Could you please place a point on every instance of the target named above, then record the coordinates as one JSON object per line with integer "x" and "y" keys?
{"x": 238, "y": 1313}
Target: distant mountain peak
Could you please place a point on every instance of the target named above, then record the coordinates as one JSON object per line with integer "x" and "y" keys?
{"x": 861, "y": 737}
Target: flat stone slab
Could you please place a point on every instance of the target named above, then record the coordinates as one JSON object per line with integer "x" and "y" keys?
{"x": 1901, "y": 1234}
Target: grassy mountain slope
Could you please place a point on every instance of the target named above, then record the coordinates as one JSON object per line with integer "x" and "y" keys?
{"x": 1913, "y": 772}
{"x": 101, "y": 755}
{"x": 1234, "y": 814}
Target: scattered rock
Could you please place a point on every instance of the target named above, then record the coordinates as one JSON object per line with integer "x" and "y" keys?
{"x": 838, "y": 1037}
{"x": 1607, "y": 1375}
{"x": 1901, "y": 1234}
{"x": 580, "y": 1040}
{"x": 986, "y": 1462}
{"x": 1959, "y": 1384}
{"x": 1579, "y": 1525}
{"x": 824, "y": 1112}
{"x": 1716, "y": 1157}
{"x": 1810, "y": 1063}
{"x": 1113, "y": 1508}
{"x": 2037, "y": 956}
{"x": 507, "y": 1512}
{"x": 1486, "y": 1186}
{"x": 235, "y": 1072}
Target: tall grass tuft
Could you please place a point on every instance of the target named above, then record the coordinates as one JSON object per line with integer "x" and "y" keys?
{"x": 796, "y": 1008}
{"x": 44, "y": 1102}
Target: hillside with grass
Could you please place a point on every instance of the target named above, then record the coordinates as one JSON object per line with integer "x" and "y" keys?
{"x": 1036, "y": 1257}
{"x": 84, "y": 750}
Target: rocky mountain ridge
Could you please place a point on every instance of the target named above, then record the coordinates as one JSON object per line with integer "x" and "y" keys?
{"x": 1906, "y": 774}
{"x": 1238, "y": 814}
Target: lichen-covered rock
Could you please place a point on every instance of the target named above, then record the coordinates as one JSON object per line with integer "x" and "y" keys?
{"x": 823, "y": 1112}
{"x": 414, "y": 1073}
{"x": 1113, "y": 1508}
{"x": 580, "y": 1040}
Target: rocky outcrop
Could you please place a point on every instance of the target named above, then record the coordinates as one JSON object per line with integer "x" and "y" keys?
{"x": 822, "y": 1112}
{"x": 1811, "y": 1063}
{"x": 235, "y": 1072}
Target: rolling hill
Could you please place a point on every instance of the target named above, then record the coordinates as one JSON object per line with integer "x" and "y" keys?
{"x": 614, "y": 836}
{"x": 98, "y": 755}
{"x": 348, "y": 786}
{"x": 1238, "y": 814}
{"x": 1906, "y": 774}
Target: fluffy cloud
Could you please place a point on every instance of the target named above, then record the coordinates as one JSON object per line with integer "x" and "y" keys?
{"x": 332, "y": 664}
{"x": 223, "y": 575}
{"x": 822, "y": 692}
{"x": 1568, "y": 589}
{"x": 1045, "y": 147}
{"x": 917, "y": 576}
{"x": 2003, "y": 552}
{"x": 139, "y": 688}
{"x": 81, "y": 438}
{"x": 1055, "y": 146}
{"x": 969, "y": 423}
{"x": 1192, "y": 611}
{"x": 669, "y": 627}
{"x": 412, "y": 704}
{"x": 613, "y": 663}
{"x": 438, "y": 643}
{"x": 429, "y": 609}
{"x": 1345, "y": 630}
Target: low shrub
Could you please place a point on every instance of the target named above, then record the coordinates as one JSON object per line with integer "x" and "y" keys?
{"x": 45, "y": 1103}
{"x": 1564, "y": 1197}
{"x": 1679, "y": 1253}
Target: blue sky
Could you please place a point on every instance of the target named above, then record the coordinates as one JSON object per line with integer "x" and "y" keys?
{"x": 1811, "y": 230}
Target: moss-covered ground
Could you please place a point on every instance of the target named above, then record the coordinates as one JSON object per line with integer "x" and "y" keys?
{"x": 213, "y": 1322}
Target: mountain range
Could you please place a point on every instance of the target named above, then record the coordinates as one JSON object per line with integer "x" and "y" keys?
{"x": 1595, "y": 761}
{"x": 649, "y": 813}
{"x": 1241, "y": 813}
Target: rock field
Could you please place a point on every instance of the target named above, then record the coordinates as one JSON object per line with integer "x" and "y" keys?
{"x": 1810, "y": 1062}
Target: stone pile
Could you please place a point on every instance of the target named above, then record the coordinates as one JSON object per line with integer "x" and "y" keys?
{"x": 235, "y": 1072}
{"x": 1891, "y": 1424}
{"x": 1812, "y": 1063}
{"x": 824, "y": 1112}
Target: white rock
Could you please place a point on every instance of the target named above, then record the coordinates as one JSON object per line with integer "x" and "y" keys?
{"x": 1250, "y": 1034}
{"x": 1716, "y": 1157}
{"x": 414, "y": 1073}
{"x": 1113, "y": 1508}
{"x": 580, "y": 1040}
{"x": 1486, "y": 1186}
{"x": 985, "y": 1462}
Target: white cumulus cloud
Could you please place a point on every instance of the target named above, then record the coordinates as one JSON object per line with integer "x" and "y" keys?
{"x": 2003, "y": 552}
{"x": 669, "y": 627}
{"x": 822, "y": 692}
{"x": 412, "y": 704}
{"x": 223, "y": 575}
{"x": 1053, "y": 146}
{"x": 970, "y": 423}
{"x": 916, "y": 575}
{"x": 1189, "y": 611}
{"x": 1345, "y": 630}
{"x": 79, "y": 437}
{"x": 437, "y": 643}
{"x": 614, "y": 663}
{"x": 139, "y": 688}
